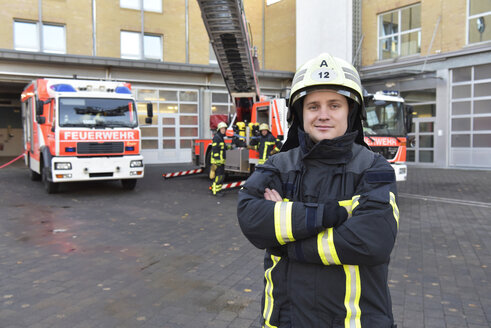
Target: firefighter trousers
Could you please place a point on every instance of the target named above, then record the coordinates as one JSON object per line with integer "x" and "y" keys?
{"x": 216, "y": 187}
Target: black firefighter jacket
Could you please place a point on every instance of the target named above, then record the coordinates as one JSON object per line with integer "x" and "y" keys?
{"x": 264, "y": 145}
{"x": 218, "y": 149}
{"x": 324, "y": 266}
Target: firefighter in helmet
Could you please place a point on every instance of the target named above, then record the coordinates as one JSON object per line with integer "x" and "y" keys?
{"x": 218, "y": 155}
{"x": 266, "y": 144}
{"x": 324, "y": 209}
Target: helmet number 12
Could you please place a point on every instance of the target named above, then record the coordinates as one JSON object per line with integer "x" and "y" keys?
{"x": 324, "y": 75}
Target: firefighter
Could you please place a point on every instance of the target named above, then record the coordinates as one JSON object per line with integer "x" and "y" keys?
{"x": 218, "y": 155}
{"x": 324, "y": 209}
{"x": 266, "y": 144}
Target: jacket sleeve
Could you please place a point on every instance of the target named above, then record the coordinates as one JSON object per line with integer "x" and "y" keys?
{"x": 215, "y": 146}
{"x": 268, "y": 224}
{"x": 278, "y": 143}
{"x": 254, "y": 141}
{"x": 368, "y": 235}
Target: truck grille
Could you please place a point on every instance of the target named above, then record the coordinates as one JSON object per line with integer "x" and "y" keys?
{"x": 100, "y": 148}
{"x": 387, "y": 152}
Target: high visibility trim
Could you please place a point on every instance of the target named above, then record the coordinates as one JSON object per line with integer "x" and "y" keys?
{"x": 268, "y": 293}
{"x": 352, "y": 296}
{"x": 325, "y": 247}
{"x": 283, "y": 222}
{"x": 395, "y": 208}
{"x": 264, "y": 155}
{"x": 347, "y": 204}
{"x": 355, "y": 202}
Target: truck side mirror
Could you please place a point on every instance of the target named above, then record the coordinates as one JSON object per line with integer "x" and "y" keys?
{"x": 39, "y": 107}
{"x": 409, "y": 118}
{"x": 149, "y": 110}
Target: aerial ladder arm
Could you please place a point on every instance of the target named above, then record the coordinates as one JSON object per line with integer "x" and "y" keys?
{"x": 227, "y": 29}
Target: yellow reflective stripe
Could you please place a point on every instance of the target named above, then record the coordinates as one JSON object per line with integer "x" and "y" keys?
{"x": 326, "y": 249}
{"x": 268, "y": 293}
{"x": 395, "y": 209}
{"x": 352, "y": 296}
{"x": 347, "y": 204}
{"x": 283, "y": 222}
{"x": 355, "y": 202}
{"x": 265, "y": 151}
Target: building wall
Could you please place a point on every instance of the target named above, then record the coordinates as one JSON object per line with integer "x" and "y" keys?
{"x": 280, "y": 34}
{"x": 198, "y": 39}
{"x": 25, "y": 9}
{"x": 277, "y": 34}
{"x": 450, "y": 34}
{"x": 323, "y": 26}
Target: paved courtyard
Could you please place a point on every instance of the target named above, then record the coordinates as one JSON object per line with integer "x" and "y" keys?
{"x": 170, "y": 255}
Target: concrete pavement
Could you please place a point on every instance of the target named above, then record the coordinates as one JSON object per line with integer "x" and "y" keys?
{"x": 171, "y": 255}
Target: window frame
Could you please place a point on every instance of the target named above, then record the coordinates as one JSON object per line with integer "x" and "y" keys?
{"x": 468, "y": 23}
{"x": 138, "y": 6}
{"x": 141, "y": 52}
{"x": 399, "y": 34}
{"x": 37, "y": 25}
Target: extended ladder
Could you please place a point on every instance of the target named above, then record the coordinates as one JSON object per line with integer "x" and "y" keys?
{"x": 227, "y": 29}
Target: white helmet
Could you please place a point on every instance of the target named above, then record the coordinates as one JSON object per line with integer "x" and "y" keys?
{"x": 321, "y": 73}
{"x": 326, "y": 72}
{"x": 221, "y": 125}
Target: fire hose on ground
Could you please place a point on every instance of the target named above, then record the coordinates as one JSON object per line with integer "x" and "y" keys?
{"x": 10, "y": 162}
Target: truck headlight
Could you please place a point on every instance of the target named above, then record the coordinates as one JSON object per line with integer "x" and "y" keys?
{"x": 63, "y": 166}
{"x": 138, "y": 163}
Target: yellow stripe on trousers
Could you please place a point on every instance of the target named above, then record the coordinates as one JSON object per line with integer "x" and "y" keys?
{"x": 352, "y": 296}
{"x": 268, "y": 293}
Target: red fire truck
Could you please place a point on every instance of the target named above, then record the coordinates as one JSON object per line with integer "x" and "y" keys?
{"x": 81, "y": 130}
{"x": 388, "y": 122}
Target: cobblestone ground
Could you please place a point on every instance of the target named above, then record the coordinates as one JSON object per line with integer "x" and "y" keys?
{"x": 170, "y": 255}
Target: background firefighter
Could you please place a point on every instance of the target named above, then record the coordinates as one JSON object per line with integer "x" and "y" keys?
{"x": 218, "y": 156}
{"x": 266, "y": 144}
{"x": 324, "y": 209}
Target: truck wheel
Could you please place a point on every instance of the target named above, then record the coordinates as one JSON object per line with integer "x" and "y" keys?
{"x": 50, "y": 186}
{"x": 34, "y": 175}
{"x": 128, "y": 184}
{"x": 206, "y": 170}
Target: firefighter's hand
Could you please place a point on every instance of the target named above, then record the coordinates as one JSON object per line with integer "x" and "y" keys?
{"x": 334, "y": 214}
{"x": 273, "y": 195}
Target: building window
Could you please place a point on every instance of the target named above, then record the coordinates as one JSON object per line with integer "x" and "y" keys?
{"x": 478, "y": 21}
{"x": 470, "y": 116}
{"x": 148, "y": 5}
{"x": 131, "y": 46}
{"x": 26, "y": 37}
{"x": 175, "y": 122}
{"x": 400, "y": 32}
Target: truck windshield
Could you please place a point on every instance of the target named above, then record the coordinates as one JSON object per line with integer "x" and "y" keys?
{"x": 97, "y": 112}
{"x": 384, "y": 118}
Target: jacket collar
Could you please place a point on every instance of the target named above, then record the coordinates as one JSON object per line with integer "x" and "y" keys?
{"x": 335, "y": 151}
